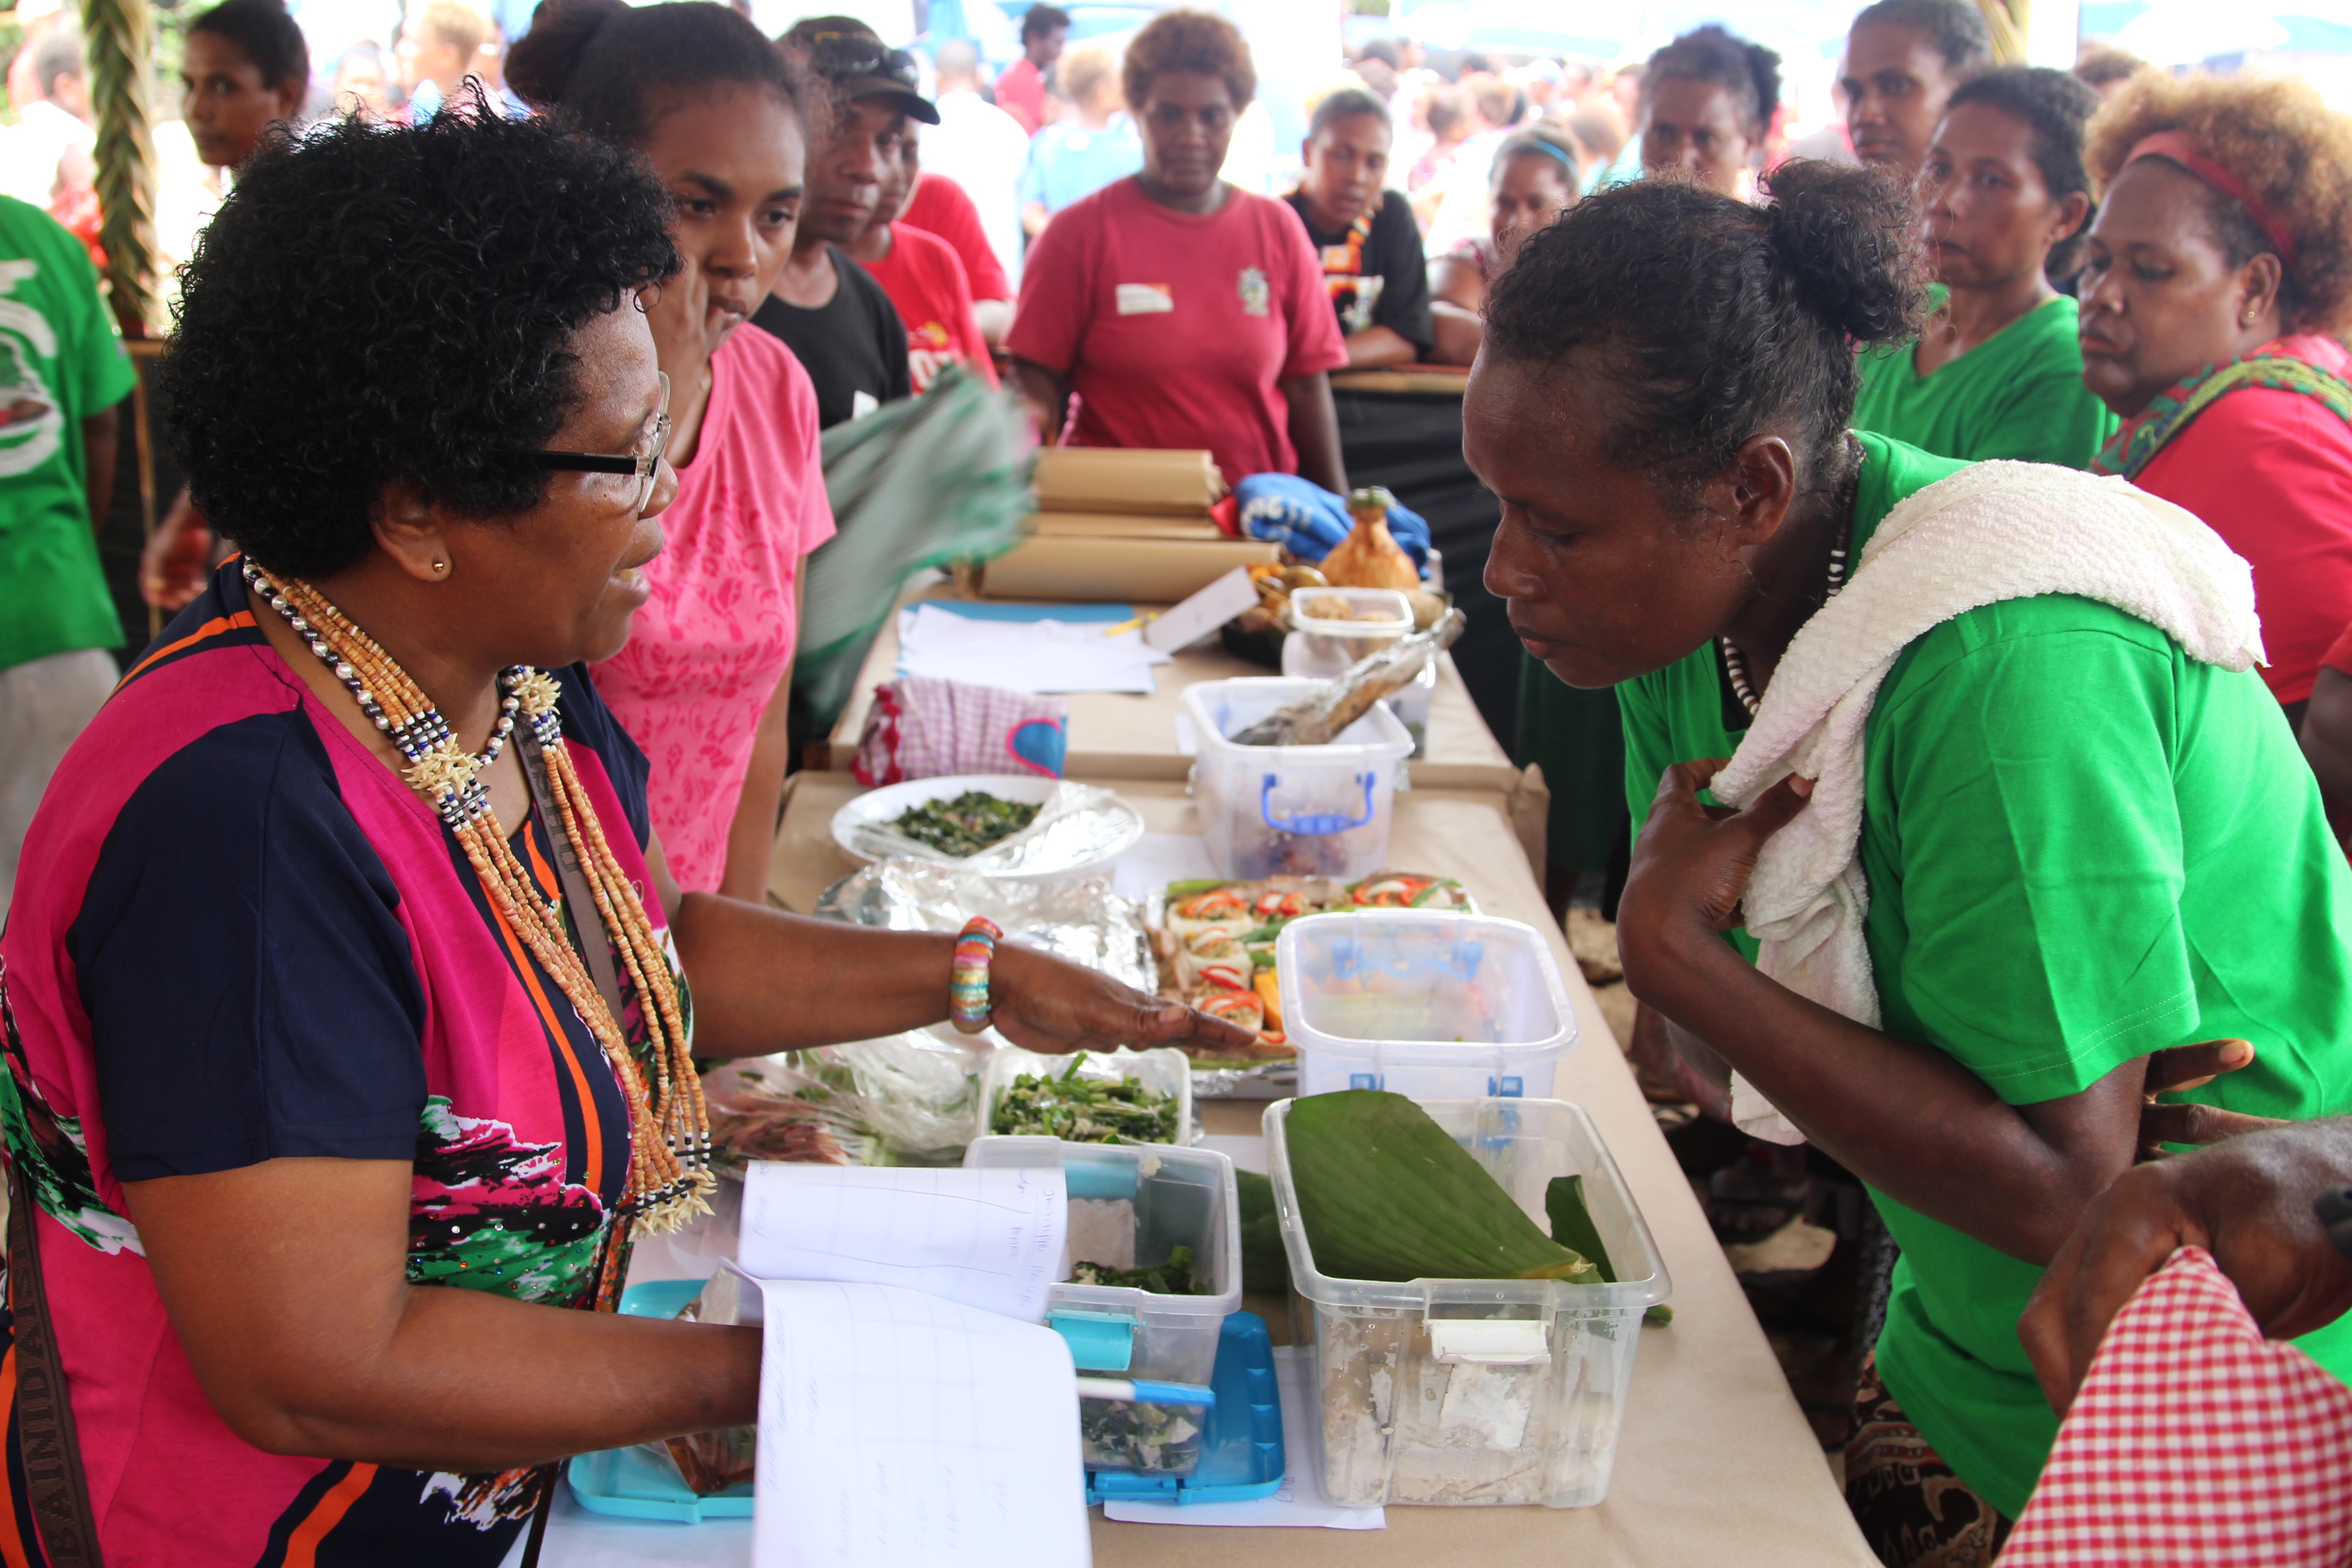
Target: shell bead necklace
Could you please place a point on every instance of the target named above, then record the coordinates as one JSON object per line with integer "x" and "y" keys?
{"x": 669, "y": 1127}
{"x": 1734, "y": 663}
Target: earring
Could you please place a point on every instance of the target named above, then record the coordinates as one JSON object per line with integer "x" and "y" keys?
{"x": 441, "y": 566}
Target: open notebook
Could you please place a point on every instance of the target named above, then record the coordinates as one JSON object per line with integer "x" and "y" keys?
{"x": 913, "y": 1410}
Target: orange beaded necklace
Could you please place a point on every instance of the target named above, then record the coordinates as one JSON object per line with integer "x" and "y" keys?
{"x": 669, "y": 1127}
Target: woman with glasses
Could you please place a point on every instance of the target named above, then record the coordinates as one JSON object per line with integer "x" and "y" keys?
{"x": 704, "y": 684}
{"x": 1183, "y": 312}
{"x": 351, "y": 1011}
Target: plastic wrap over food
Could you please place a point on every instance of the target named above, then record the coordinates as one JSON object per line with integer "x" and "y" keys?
{"x": 788, "y": 1107}
{"x": 1078, "y": 824}
{"x": 1081, "y": 920}
{"x": 917, "y": 1089}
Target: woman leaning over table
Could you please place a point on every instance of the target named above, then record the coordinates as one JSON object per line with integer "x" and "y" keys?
{"x": 2077, "y": 842}
{"x": 2003, "y": 200}
{"x": 1183, "y": 312}
{"x": 2218, "y": 286}
{"x": 297, "y": 1036}
{"x": 704, "y": 684}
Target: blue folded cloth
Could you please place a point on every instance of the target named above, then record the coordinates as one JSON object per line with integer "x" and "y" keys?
{"x": 1307, "y": 520}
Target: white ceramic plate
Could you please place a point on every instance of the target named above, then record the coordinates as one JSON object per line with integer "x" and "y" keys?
{"x": 1119, "y": 825}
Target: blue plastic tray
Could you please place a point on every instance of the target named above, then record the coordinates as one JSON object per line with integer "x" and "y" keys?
{"x": 623, "y": 1481}
{"x": 1241, "y": 1450}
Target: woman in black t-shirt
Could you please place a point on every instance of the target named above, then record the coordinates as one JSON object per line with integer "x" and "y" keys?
{"x": 1364, "y": 235}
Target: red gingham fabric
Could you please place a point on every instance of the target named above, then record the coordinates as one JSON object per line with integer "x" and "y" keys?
{"x": 2195, "y": 1441}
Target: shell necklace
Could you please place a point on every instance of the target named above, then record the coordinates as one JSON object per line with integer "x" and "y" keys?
{"x": 669, "y": 1127}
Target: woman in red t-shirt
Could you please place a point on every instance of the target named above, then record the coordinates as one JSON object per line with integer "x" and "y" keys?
{"x": 1183, "y": 312}
{"x": 2219, "y": 281}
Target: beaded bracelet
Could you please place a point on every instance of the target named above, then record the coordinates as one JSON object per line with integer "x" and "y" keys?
{"x": 975, "y": 949}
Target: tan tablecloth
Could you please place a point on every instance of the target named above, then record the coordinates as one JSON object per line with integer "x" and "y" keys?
{"x": 1716, "y": 1468}
{"x": 1114, "y": 735}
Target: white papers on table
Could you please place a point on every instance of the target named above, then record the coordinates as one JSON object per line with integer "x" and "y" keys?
{"x": 989, "y": 1239}
{"x": 1023, "y": 656}
{"x": 1300, "y": 1503}
{"x": 898, "y": 1430}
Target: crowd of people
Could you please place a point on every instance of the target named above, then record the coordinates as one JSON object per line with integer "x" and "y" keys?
{"x": 1978, "y": 479}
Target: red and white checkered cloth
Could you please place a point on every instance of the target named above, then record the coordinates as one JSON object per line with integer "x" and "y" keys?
{"x": 2195, "y": 1441}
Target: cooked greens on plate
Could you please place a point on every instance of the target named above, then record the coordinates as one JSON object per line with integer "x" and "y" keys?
{"x": 965, "y": 824}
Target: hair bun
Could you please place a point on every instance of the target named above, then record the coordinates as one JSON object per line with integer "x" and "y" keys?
{"x": 540, "y": 64}
{"x": 1843, "y": 238}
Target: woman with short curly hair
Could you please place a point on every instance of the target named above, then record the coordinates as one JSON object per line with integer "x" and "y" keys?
{"x": 2218, "y": 289}
{"x": 2008, "y": 811}
{"x": 2003, "y": 200}
{"x": 347, "y": 1021}
{"x": 1183, "y": 312}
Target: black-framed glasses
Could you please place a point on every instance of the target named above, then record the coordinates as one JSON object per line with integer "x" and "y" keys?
{"x": 642, "y": 464}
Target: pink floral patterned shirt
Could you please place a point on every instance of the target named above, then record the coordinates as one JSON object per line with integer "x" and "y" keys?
{"x": 709, "y": 649}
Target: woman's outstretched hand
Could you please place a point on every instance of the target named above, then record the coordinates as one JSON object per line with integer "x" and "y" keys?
{"x": 2246, "y": 1200}
{"x": 1048, "y": 1004}
{"x": 1692, "y": 861}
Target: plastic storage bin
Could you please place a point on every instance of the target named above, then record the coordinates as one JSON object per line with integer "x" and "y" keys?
{"x": 1163, "y": 1068}
{"x": 1318, "y": 649}
{"x": 1471, "y": 1391}
{"x": 1431, "y": 1005}
{"x": 1320, "y": 811}
{"x": 1182, "y": 1197}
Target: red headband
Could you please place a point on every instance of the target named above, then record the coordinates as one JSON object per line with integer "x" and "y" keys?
{"x": 2177, "y": 146}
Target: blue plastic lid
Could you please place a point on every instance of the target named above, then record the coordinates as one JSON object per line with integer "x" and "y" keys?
{"x": 1241, "y": 1445}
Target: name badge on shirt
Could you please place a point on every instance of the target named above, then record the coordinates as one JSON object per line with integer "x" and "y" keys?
{"x": 1145, "y": 299}
{"x": 1256, "y": 293}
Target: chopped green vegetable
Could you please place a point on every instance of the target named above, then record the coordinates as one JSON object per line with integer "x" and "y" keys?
{"x": 1084, "y": 1109}
{"x": 1387, "y": 1194}
{"x": 965, "y": 824}
{"x": 1572, "y": 1223}
{"x": 1658, "y": 1317}
{"x": 1173, "y": 1277}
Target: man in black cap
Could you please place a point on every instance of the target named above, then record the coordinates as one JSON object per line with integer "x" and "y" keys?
{"x": 828, "y": 309}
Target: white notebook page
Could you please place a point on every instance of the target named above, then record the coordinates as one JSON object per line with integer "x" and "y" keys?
{"x": 898, "y": 1430}
{"x": 989, "y": 1239}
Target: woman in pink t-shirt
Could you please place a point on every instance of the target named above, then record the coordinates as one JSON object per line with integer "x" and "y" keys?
{"x": 704, "y": 683}
{"x": 1183, "y": 312}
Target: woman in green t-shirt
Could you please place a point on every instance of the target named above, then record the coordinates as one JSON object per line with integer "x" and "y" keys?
{"x": 2003, "y": 200}
{"x": 2072, "y": 843}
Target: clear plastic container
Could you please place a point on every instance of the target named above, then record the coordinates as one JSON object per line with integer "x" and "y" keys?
{"x": 1163, "y": 1068}
{"x": 1466, "y": 1392}
{"x": 1305, "y": 656}
{"x": 1181, "y": 1197}
{"x": 1431, "y": 1005}
{"x": 1375, "y": 618}
{"x": 1317, "y": 811}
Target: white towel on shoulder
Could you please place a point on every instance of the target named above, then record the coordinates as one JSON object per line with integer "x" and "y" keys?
{"x": 1990, "y": 533}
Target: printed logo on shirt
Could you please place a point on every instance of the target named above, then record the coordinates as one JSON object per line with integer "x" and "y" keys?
{"x": 1145, "y": 299}
{"x": 929, "y": 350}
{"x": 30, "y": 423}
{"x": 1257, "y": 294}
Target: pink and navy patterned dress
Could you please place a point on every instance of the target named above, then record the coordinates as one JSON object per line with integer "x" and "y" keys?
{"x": 237, "y": 937}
